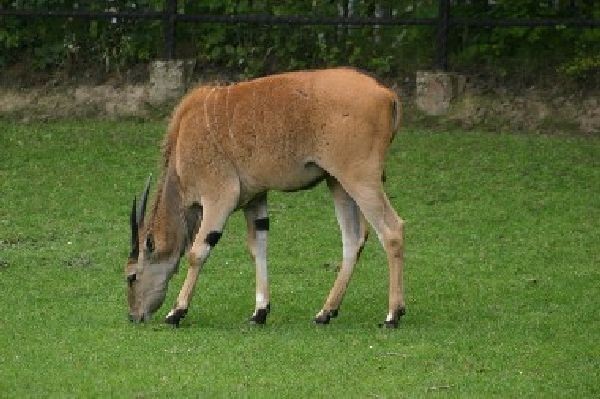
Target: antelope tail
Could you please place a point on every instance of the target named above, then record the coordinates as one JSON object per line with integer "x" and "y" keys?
{"x": 396, "y": 113}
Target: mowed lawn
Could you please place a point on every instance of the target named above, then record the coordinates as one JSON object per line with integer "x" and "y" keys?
{"x": 502, "y": 277}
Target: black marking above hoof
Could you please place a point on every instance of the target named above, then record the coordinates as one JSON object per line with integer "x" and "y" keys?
{"x": 213, "y": 238}
{"x": 325, "y": 316}
{"x": 261, "y": 224}
{"x": 174, "y": 317}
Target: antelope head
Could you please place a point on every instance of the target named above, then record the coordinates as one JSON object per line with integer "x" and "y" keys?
{"x": 158, "y": 241}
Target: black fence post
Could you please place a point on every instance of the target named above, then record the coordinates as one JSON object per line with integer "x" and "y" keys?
{"x": 441, "y": 56}
{"x": 169, "y": 21}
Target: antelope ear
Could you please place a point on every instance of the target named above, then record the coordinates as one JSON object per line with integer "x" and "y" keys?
{"x": 141, "y": 211}
{"x": 135, "y": 246}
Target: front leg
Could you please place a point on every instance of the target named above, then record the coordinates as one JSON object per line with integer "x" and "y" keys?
{"x": 214, "y": 217}
{"x": 258, "y": 226}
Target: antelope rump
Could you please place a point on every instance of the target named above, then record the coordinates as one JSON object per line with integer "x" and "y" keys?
{"x": 227, "y": 146}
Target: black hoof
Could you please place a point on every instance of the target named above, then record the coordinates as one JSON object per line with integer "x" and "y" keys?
{"x": 260, "y": 316}
{"x": 389, "y": 324}
{"x": 322, "y": 319}
{"x": 326, "y": 316}
{"x": 393, "y": 323}
{"x": 175, "y": 317}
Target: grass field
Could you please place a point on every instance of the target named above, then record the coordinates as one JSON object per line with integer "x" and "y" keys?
{"x": 502, "y": 277}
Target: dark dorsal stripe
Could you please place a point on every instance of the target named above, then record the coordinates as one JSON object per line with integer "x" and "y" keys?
{"x": 262, "y": 224}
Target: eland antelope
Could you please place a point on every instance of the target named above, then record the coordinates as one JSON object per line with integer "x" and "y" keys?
{"x": 227, "y": 146}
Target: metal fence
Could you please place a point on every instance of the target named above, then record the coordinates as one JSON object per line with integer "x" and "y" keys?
{"x": 170, "y": 17}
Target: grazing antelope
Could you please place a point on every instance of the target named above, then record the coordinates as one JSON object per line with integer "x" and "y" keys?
{"x": 227, "y": 146}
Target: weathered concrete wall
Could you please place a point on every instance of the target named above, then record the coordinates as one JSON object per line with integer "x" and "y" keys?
{"x": 536, "y": 111}
{"x": 436, "y": 91}
{"x": 443, "y": 98}
{"x": 169, "y": 79}
{"x": 127, "y": 100}
{"x": 61, "y": 102}
{"x": 447, "y": 97}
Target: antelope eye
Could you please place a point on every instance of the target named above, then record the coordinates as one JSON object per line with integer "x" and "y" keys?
{"x": 150, "y": 244}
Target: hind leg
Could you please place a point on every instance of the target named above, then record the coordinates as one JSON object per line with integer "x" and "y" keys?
{"x": 376, "y": 207}
{"x": 354, "y": 234}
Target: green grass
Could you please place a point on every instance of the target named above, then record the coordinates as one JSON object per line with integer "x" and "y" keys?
{"x": 502, "y": 277}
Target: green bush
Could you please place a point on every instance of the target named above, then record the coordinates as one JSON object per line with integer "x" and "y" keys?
{"x": 527, "y": 51}
{"x": 51, "y": 43}
{"x": 250, "y": 50}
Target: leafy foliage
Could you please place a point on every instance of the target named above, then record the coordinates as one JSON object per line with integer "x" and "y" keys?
{"x": 55, "y": 43}
{"x": 527, "y": 51}
{"x": 251, "y": 49}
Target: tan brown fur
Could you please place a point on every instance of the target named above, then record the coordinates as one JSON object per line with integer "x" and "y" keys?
{"x": 271, "y": 105}
{"x": 228, "y": 145}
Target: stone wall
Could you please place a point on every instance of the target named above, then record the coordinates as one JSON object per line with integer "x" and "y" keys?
{"x": 436, "y": 90}
{"x": 448, "y": 98}
{"x": 169, "y": 79}
{"x": 445, "y": 99}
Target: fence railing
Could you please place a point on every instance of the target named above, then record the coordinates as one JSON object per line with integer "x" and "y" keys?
{"x": 443, "y": 22}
